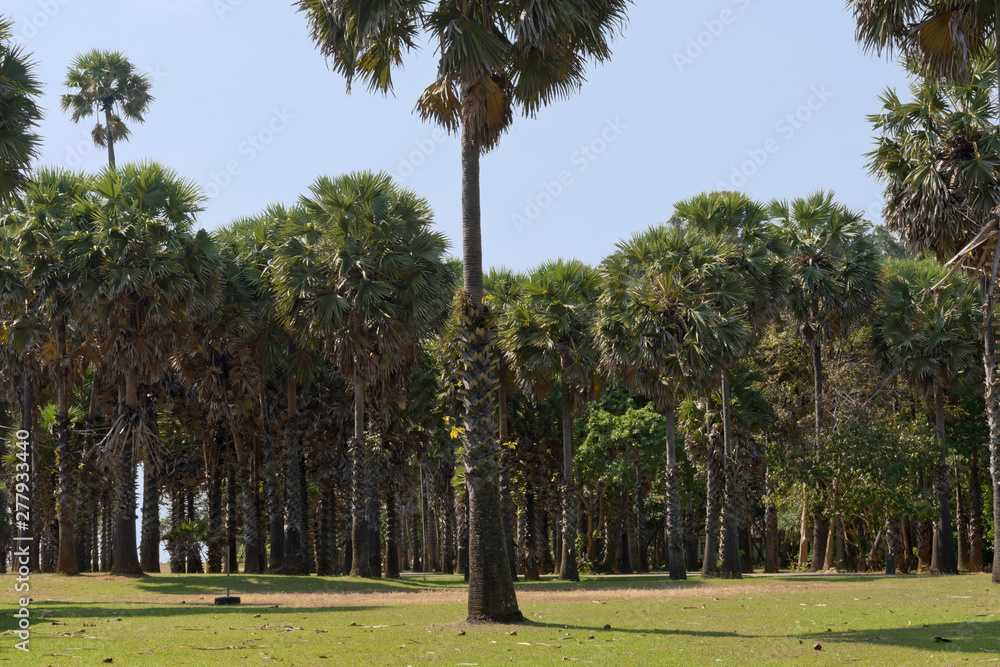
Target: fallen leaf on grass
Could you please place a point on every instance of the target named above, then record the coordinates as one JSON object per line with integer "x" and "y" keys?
{"x": 942, "y": 640}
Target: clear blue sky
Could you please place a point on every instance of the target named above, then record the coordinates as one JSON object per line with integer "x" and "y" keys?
{"x": 767, "y": 97}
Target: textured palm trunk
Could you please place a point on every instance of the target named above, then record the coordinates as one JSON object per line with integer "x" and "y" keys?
{"x": 249, "y": 496}
{"x": 925, "y": 531}
{"x": 414, "y": 541}
{"x": 308, "y": 523}
{"x": 772, "y": 552}
{"x": 391, "y": 530}
{"x": 642, "y": 559}
{"x": 294, "y": 511}
{"x": 194, "y": 562}
{"x": 449, "y": 525}
{"x": 710, "y": 556}
{"x": 731, "y": 567}
{"x": 672, "y": 491}
{"x": 992, "y": 383}
{"x": 943, "y": 553}
{"x": 108, "y": 136}
{"x": 107, "y": 528}
{"x": 275, "y": 510}
{"x": 215, "y": 543}
{"x": 491, "y": 589}
{"x": 568, "y": 570}
{"x": 804, "y": 529}
{"x": 962, "y": 521}
{"x": 975, "y": 516}
{"x": 361, "y": 473}
{"x": 149, "y": 547}
{"x": 124, "y": 554}
{"x": 326, "y": 554}
{"x": 67, "y": 561}
{"x": 505, "y": 464}
{"x": 530, "y": 537}
{"x": 232, "y": 519}
{"x": 821, "y": 524}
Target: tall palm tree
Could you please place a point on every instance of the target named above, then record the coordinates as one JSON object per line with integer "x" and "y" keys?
{"x": 362, "y": 274}
{"x": 957, "y": 41}
{"x": 19, "y": 114}
{"x": 105, "y": 82}
{"x": 495, "y": 56}
{"x": 657, "y": 326}
{"x": 744, "y": 223}
{"x": 930, "y": 340}
{"x": 938, "y": 156}
{"x": 550, "y": 331}
{"x": 833, "y": 282}
{"x": 51, "y": 209}
{"x": 149, "y": 274}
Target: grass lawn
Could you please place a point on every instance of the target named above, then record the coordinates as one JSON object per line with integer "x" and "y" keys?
{"x": 611, "y": 620}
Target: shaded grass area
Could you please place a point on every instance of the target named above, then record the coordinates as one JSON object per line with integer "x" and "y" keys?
{"x": 651, "y": 621}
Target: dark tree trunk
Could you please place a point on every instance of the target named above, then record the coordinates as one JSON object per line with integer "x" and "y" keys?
{"x": 414, "y": 540}
{"x": 178, "y": 555}
{"x": 772, "y": 551}
{"x": 943, "y": 554}
{"x": 216, "y": 539}
{"x": 308, "y": 521}
{"x": 532, "y": 512}
{"x": 924, "y": 540}
{"x": 361, "y": 474}
{"x": 275, "y": 510}
{"x": 107, "y": 528}
{"x": 568, "y": 570}
{"x": 962, "y": 524}
{"x": 149, "y": 547}
{"x": 710, "y": 557}
{"x": 391, "y": 530}
{"x": 294, "y": 511}
{"x": 975, "y": 516}
{"x": 108, "y": 137}
{"x": 67, "y": 562}
{"x": 326, "y": 551}
{"x": 505, "y": 459}
{"x": 690, "y": 536}
{"x": 675, "y": 534}
{"x": 731, "y": 567}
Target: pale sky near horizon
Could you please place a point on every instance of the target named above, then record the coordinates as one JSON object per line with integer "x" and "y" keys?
{"x": 765, "y": 97}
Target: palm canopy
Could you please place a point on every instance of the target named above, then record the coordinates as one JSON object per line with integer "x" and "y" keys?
{"x": 549, "y": 328}
{"x": 494, "y": 55}
{"x": 930, "y": 338}
{"x": 943, "y": 37}
{"x": 938, "y": 155}
{"x": 760, "y": 251}
{"x": 19, "y": 115}
{"x": 833, "y": 266}
{"x": 670, "y": 309}
{"x": 105, "y": 82}
{"x": 361, "y": 272}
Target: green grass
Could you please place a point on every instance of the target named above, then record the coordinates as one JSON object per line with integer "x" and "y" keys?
{"x": 170, "y": 619}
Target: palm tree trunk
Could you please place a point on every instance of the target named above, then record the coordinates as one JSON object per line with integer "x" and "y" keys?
{"x": 216, "y": 540}
{"x": 326, "y": 555}
{"x": 294, "y": 512}
{"x": 275, "y": 510}
{"x": 567, "y": 565}
{"x": 962, "y": 521}
{"x": 731, "y": 568}
{"x": 992, "y": 383}
{"x": 360, "y": 474}
{"x": 491, "y": 589}
{"x": 108, "y": 137}
{"x": 149, "y": 547}
{"x": 675, "y": 531}
{"x": 67, "y": 562}
{"x": 248, "y": 495}
{"x": 505, "y": 458}
{"x": 124, "y": 554}
{"x": 772, "y": 552}
{"x": 975, "y": 516}
{"x": 391, "y": 531}
{"x": 821, "y": 523}
{"x": 943, "y": 554}
{"x": 712, "y": 496}
{"x": 414, "y": 541}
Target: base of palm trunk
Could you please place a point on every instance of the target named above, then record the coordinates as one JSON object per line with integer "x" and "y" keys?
{"x": 227, "y": 599}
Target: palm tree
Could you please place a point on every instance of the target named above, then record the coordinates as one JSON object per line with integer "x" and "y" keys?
{"x": 494, "y": 56}
{"x": 833, "y": 282}
{"x": 105, "y": 82}
{"x": 735, "y": 217}
{"x": 930, "y": 340}
{"x": 549, "y": 331}
{"x": 938, "y": 157}
{"x": 956, "y": 41}
{"x": 50, "y": 210}
{"x": 19, "y": 115}
{"x": 149, "y": 274}
{"x": 363, "y": 275}
{"x": 657, "y": 327}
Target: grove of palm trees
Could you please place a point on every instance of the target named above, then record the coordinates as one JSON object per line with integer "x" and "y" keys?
{"x": 330, "y": 393}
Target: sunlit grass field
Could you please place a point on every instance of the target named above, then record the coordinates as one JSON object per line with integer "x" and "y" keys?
{"x": 609, "y": 620}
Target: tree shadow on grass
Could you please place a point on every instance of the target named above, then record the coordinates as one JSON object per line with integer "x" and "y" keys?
{"x": 248, "y": 584}
{"x": 977, "y": 636}
{"x": 600, "y": 629}
{"x": 610, "y": 583}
